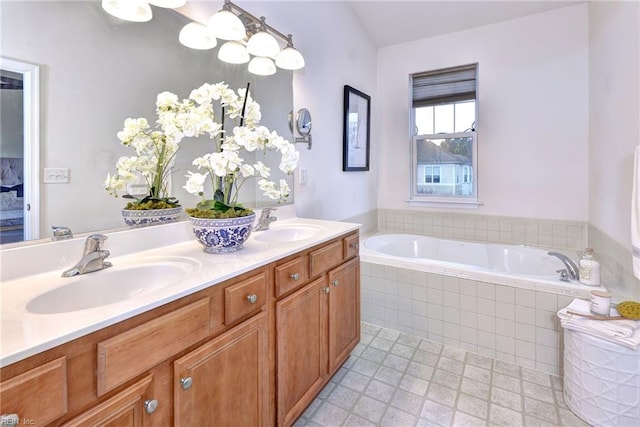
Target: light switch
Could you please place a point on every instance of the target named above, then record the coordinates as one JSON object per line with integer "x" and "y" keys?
{"x": 56, "y": 175}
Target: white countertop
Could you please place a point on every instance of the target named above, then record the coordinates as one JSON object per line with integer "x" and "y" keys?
{"x": 24, "y": 334}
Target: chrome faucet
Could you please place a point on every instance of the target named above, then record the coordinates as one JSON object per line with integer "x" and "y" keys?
{"x": 93, "y": 258}
{"x": 265, "y": 219}
{"x": 572, "y": 268}
{"x": 61, "y": 233}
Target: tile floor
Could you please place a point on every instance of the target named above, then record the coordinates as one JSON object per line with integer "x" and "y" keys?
{"x": 397, "y": 380}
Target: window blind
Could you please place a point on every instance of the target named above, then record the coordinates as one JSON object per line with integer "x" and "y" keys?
{"x": 444, "y": 86}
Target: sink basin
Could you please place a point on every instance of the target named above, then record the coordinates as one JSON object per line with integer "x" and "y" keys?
{"x": 287, "y": 233}
{"x": 123, "y": 281}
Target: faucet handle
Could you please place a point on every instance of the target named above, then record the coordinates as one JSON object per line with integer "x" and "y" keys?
{"x": 94, "y": 241}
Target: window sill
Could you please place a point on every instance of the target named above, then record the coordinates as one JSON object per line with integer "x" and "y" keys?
{"x": 445, "y": 203}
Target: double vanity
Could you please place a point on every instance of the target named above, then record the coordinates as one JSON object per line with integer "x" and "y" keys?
{"x": 170, "y": 335}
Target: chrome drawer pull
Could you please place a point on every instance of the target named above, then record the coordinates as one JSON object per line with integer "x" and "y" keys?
{"x": 335, "y": 282}
{"x": 253, "y": 298}
{"x": 295, "y": 276}
{"x": 150, "y": 405}
{"x": 355, "y": 245}
{"x": 326, "y": 290}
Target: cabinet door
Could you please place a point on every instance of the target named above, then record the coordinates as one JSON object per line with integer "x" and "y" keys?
{"x": 344, "y": 312}
{"x": 132, "y": 407}
{"x": 225, "y": 382}
{"x": 301, "y": 342}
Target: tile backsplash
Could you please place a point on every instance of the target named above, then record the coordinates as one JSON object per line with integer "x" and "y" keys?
{"x": 545, "y": 233}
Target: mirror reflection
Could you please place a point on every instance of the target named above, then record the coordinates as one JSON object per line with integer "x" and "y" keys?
{"x": 96, "y": 71}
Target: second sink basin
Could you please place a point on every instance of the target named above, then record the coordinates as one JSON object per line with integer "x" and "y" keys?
{"x": 278, "y": 233}
{"x": 123, "y": 281}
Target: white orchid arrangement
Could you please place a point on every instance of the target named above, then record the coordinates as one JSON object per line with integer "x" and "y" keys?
{"x": 224, "y": 168}
{"x": 154, "y": 153}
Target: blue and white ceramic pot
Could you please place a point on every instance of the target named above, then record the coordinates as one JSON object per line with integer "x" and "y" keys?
{"x": 141, "y": 218}
{"x": 221, "y": 236}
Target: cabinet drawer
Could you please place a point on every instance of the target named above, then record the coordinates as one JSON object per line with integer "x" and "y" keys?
{"x": 130, "y": 353}
{"x": 245, "y": 298}
{"x": 351, "y": 246}
{"x": 291, "y": 274}
{"x": 39, "y": 394}
{"x": 325, "y": 258}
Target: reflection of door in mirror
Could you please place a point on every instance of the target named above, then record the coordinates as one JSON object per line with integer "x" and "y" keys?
{"x": 19, "y": 151}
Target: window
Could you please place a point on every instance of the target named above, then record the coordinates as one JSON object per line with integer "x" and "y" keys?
{"x": 444, "y": 158}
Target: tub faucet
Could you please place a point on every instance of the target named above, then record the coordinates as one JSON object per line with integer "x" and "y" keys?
{"x": 572, "y": 268}
{"x": 265, "y": 220}
{"x": 93, "y": 258}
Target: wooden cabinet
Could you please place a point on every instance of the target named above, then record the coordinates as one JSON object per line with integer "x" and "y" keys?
{"x": 317, "y": 326}
{"x": 302, "y": 349}
{"x": 38, "y": 395}
{"x": 254, "y": 350}
{"x": 344, "y": 312}
{"x": 132, "y": 407}
{"x": 225, "y": 382}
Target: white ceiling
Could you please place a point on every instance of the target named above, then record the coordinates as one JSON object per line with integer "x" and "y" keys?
{"x": 390, "y": 22}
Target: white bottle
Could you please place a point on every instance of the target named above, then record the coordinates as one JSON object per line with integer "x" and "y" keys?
{"x": 589, "y": 273}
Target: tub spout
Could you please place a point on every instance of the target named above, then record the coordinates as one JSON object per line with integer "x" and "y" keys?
{"x": 572, "y": 268}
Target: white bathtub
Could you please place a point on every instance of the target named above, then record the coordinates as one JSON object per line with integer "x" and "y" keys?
{"x": 519, "y": 266}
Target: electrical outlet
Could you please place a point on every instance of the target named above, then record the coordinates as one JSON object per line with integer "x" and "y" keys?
{"x": 56, "y": 175}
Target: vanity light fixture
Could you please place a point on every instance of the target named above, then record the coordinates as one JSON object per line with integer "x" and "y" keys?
{"x": 129, "y": 10}
{"x": 234, "y": 24}
{"x": 262, "y": 66}
{"x": 233, "y": 52}
{"x": 262, "y": 43}
{"x": 226, "y": 25}
{"x": 197, "y": 36}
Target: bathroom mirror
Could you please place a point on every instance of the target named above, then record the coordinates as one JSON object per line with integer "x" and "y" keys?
{"x": 96, "y": 71}
{"x": 303, "y": 122}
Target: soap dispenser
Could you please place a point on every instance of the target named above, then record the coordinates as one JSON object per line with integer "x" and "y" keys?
{"x": 589, "y": 269}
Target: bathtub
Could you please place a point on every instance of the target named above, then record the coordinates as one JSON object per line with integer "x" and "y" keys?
{"x": 492, "y": 299}
{"x": 519, "y": 266}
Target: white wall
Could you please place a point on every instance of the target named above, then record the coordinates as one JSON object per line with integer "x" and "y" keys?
{"x": 533, "y": 112}
{"x": 614, "y": 118}
{"x": 336, "y": 52}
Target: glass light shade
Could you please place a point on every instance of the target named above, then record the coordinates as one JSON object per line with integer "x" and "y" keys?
{"x": 171, "y": 4}
{"x": 263, "y": 44}
{"x": 290, "y": 59}
{"x": 262, "y": 66}
{"x": 129, "y": 10}
{"x": 227, "y": 26}
{"x": 197, "y": 36}
{"x": 233, "y": 53}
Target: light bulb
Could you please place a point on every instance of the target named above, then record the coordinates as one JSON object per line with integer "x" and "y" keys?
{"x": 263, "y": 44}
{"x": 233, "y": 52}
{"x": 197, "y": 36}
{"x": 290, "y": 59}
{"x": 227, "y": 26}
{"x": 129, "y": 10}
{"x": 262, "y": 66}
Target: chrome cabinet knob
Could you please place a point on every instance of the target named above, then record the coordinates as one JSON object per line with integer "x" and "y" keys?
{"x": 295, "y": 276}
{"x": 150, "y": 405}
{"x": 335, "y": 282}
{"x": 9, "y": 420}
{"x": 253, "y": 298}
{"x": 186, "y": 383}
{"x": 355, "y": 245}
{"x": 326, "y": 290}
